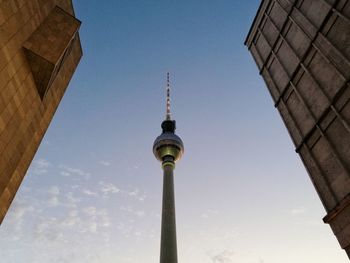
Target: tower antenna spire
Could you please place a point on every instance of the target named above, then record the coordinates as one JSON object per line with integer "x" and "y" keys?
{"x": 168, "y": 148}
{"x": 168, "y": 113}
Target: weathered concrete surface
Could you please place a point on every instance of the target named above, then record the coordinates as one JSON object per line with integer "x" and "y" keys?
{"x": 302, "y": 49}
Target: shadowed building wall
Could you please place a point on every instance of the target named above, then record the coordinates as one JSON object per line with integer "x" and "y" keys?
{"x": 302, "y": 49}
{"x": 39, "y": 52}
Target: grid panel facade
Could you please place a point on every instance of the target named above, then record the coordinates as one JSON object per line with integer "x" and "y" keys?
{"x": 24, "y": 116}
{"x": 302, "y": 49}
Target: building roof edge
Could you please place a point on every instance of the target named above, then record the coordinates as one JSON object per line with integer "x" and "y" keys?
{"x": 254, "y": 22}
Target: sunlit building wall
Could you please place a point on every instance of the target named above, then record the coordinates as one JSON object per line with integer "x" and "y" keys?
{"x": 39, "y": 52}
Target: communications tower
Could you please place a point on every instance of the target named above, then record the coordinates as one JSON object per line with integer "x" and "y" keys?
{"x": 168, "y": 148}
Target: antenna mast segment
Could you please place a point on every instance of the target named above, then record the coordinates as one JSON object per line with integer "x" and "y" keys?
{"x": 168, "y": 114}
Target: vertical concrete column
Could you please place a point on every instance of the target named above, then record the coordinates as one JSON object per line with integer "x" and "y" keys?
{"x": 168, "y": 247}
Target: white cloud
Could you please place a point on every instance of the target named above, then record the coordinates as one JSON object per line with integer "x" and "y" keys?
{"x": 16, "y": 216}
{"x": 97, "y": 218}
{"x": 92, "y": 226}
{"x": 25, "y": 189}
{"x": 108, "y": 188}
{"x": 209, "y": 213}
{"x": 298, "y": 211}
{"x": 53, "y": 201}
{"x": 105, "y": 163}
{"x": 136, "y": 194}
{"x": 40, "y": 166}
{"x": 41, "y": 163}
{"x": 68, "y": 171}
{"x": 72, "y": 219}
{"x": 85, "y": 221}
{"x": 54, "y": 190}
{"x": 19, "y": 212}
{"x": 89, "y": 192}
{"x": 48, "y": 229}
{"x": 71, "y": 199}
{"x": 91, "y": 211}
{"x": 57, "y": 198}
{"x": 64, "y": 173}
{"x": 133, "y": 211}
{"x": 125, "y": 229}
{"x": 225, "y": 256}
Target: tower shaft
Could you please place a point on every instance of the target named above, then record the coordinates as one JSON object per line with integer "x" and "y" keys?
{"x": 168, "y": 148}
{"x": 168, "y": 247}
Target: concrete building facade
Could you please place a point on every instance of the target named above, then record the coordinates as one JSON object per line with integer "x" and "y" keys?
{"x": 302, "y": 50}
{"x": 39, "y": 52}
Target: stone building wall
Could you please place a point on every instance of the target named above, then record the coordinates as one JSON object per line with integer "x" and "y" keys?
{"x": 302, "y": 50}
{"x": 39, "y": 52}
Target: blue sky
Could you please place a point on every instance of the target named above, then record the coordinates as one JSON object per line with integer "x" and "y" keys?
{"x": 93, "y": 191}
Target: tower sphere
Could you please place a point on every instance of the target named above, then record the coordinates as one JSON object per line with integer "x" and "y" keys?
{"x": 168, "y": 148}
{"x": 168, "y": 144}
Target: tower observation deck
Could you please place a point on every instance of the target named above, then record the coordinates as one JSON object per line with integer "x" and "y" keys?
{"x": 168, "y": 148}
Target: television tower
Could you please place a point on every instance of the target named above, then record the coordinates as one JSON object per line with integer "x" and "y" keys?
{"x": 168, "y": 148}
